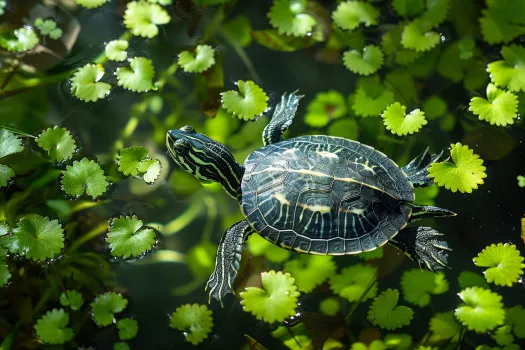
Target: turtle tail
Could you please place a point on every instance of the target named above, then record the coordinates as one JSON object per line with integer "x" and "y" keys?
{"x": 417, "y": 169}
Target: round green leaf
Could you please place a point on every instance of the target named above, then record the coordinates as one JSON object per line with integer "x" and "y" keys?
{"x": 419, "y": 284}
{"x": 500, "y": 109}
{"x": 37, "y": 238}
{"x": 385, "y": 313}
{"x": 196, "y": 321}
{"x": 349, "y": 14}
{"x": 86, "y": 84}
{"x": 116, "y": 50}
{"x": 504, "y": 262}
{"x": 127, "y": 328}
{"x": 414, "y": 37}
{"x": 84, "y": 176}
{"x": 150, "y": 169}
{"x": 352, "y": 282}
{"x": 444, "y": 326}
{"x": 127, "y": 238}
{"x": 6, "y": 173}
{"x": 310, "y": 271}
{"x": 130, "y": 158}
{"x": 482, "y": 310}
{"x": 71, "y": 298}
{"x": 58, "y": 143}
{"x": 289, "y": 17}
{"x": 138, "y": 77}
{"x": 105, "y": 306}
{"x": 142, "y": 18}
{"x": 408, "y": 8}
{"x": 52, "y": 327}
{"x": 325, "y": 107}
{"x": 398, "y": 122}
{"x": 364, "y": 63}
{"x": 248, "y": 103}
{"x": 9, "y": 143}
{"x": 198, "y": 62}
{"x": 509, "y": 72}
{"x": 24, "y": 39}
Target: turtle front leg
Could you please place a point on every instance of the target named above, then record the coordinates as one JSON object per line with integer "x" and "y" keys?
{"x": 422, "y": 245}
{"x": 281, "y": 119}
{"x": 417, "y": 169}
{"x": 227, "y": 261}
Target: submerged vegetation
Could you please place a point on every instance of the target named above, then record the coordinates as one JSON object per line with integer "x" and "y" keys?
{"x": 85, "y": 193}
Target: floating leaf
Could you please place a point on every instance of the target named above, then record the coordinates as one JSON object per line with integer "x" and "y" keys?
{"x": 329, "y": 306}
{"x": 399, "y": 123}
{"x": 510, "y": 72}
{"x": 127, "y": 328}
{"x": 138, "y": 77}
{"x": 9, "y": 143}
{"x": 116, "y": 50}
{"x": 37, "y": 238}
{"x": 289, "y": 17}
{"x": 6, "y": 174}
{"x": 58, "y": 143}
{"x": 349, "y": 14}
{"x": 198, "y": 62}
{"x": 84, "y": 176}
{"x": 365, "y": 63}
{"x": 247, "y": 103}
{"x": 444, "y": 326}
{"x": 91, "y": 4}
{"x": 24, "y": 39}
{"x": 500, "y": 109}
{"x": 344, "y": 127}
{"x": 504, "y": 262}
{"x": 150, "y": 168}
{"x": 310, "y": 271}
{"x": 352, "y": 282}
{"x": 48, "y": 27}
{"x": 276, "y": 301}
{"x": 126, "y": 237}
{"x": 502, "y": 21}
{"x": 436, "y": 13}
{"x": 130, "y": 158}
{"x": 195, "y": 321}
{"x": 86, "y": 84}
{"x": 371, "y": 97}
{"x": 503, "y": 335}
{"x": 418, "y": 284}
{"x": 470, "y": 279}
{"x": 142, "y": 18}
{"x": 434, "y": 107}
{"x": 482, "y": 309}
{"x": 105, "y": 306}
{"x": 464, "y": 174}
{"x": 239, "y": 29}
{"x": 408, "y": 8}
{"x": 324, "y": 107}
{"x": 414, "y": 37}
{"x": 514, "y": 317}
{"x": 466, "y": 48}
{"x": 52, "y": 327}
{"x": 71, "y": 298}
{"x": 385, "y": 313}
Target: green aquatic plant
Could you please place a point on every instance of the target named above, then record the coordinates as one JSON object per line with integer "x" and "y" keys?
{"x": 521, "y": 180}
{"x": 128, "y": 238}
{"x": 418, "y": 284}
{"x": 84, "y": 176}
{"x": 353, "y": 281}
{"x": 72, "y": 299}
{"x": 52, "y": 327}
{"x": 21, "y": 40}
{"x": 86, "y": 84}
{"x": 127, "y": 328}
{"x": 9, "y": 144}
{"x": 310, "y": 271}
{"x": 385, "y": 313}
{"x": 58, "y": 143}
{"x": 371, "y": 97}
{"x": 325, "y": 107}
{"x": 116, "y": 50}
{"x": 247, "y": 103}
{"x": 481, "y": 310}
{"x": 365, "y": 62}
{"x": 105, "y": 306}
{"x": 350, "y": 14}
{"x": 195, "y": 320}
{"x": 91, "y": 4}
{"x": 500, "y": 108}
{"x": 290, "y": 18}
{"x": 198, "y": 62}
{"x": 138, "y": 77}
{"x": 134, "y": 161}
{"x": 398, "y": 122}
{"x": 504, "y": 262}
{"x": 142, "y": 18}
{"x": 276, "y": 301}
{"x": 464, "y": 173}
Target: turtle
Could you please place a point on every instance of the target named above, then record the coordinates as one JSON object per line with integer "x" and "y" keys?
{"x": 314, "y": 194}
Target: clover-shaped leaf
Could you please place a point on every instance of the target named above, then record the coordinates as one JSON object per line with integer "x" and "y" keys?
{"x": 9, "y": 143}
{"x": 276, "y": 301}
{"x": 310, "y": 271}
{"x": 58, "y": 143}
{"x": 142, "y": 18}
{"x": 500, "y": 109}
{"x": 414, "y": 37}
{"x": 352, "y": 282}
{"x": 71, "y": 298}
{"x": 127, "y": 328}
{"x": 150, "y": 169}
{"x": 138, "y": 77}
{"x": 444, "y": 326}
{"x": 198, "y": 62}
{"x": 509, "y": 72}
{"x": 399, "y": 123}
{"x": 364, "y": 63}
{"x": 24, "y": 39}
{"x": 196, "y": 321}
{"x": 105, "y": 306}
{"x": 91, "y": 4}
{"x": 325, "y": 107}
{"x": 502, "y": 21}
{"x": 464, "y": 174}
{"x": 52, "y": 327}
{"x": 482, "y": 310}
{"x": 48, "y": 27}
{"x": 116, "y": 50}
{"x": 418, "y": 284}
{"x": 130, "y": 158}
{"x": 470, "y": 279}
{"x": 371, "y": 97}
{"x": 37, "y": 238}
{"x": 514, "y": 317}
{"x": 127, "y": 237}
{"x": 247, "y": 103}
{"x": 504, "y": 262}
{"x": 86, "y": 84}
{"x": 259, "y": 246}
{"x": 84, "y": 176}
{"x": 503, "y": 335}
{"x": 289, "y": 17}
{"x": 349, "y": 14}
{"x": 385, "y": 313}
{"x": 6, "y": 174}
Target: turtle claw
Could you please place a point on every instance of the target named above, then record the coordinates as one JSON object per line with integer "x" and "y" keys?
{"x": 219, "y": 288}
{"x": 417, "y": 169}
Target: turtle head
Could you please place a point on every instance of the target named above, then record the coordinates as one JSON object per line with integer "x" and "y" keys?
{"x": 204, "y": 158}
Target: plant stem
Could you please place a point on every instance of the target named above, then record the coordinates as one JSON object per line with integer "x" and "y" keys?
{"x": 101, "y": 228}
{"x": 356, "y": 304}
{"x": 182, "y": 220}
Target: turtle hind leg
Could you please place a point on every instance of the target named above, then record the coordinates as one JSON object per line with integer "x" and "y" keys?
{"x": 417, "y": 169}
{"x": 227, "y": 261}
{"x": 428, "y": 211}
{"x": 422, "y": 244}
{"x": 281, "y": 119}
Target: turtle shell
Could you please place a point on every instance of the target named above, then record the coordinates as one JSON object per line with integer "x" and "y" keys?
{"x": 325, "y": 195}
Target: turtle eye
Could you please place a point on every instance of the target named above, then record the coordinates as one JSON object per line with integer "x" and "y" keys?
{"x": 188, "y": 129}
{"x": 181, "y": 146}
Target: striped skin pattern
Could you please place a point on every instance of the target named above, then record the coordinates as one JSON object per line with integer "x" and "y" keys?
{"x": 325, "y": 195}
